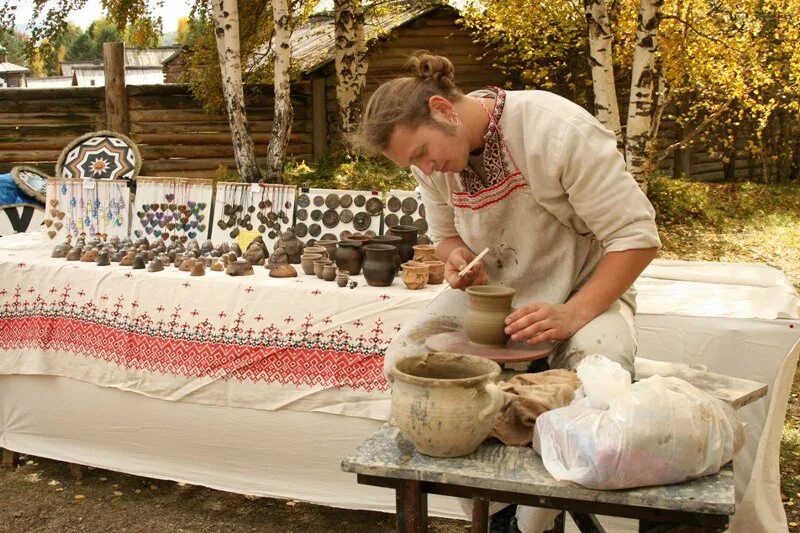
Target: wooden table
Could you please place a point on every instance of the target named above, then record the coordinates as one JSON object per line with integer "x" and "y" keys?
{"x": 511, "y": 474}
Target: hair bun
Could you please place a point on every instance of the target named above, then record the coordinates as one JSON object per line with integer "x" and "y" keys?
{"x": 438, "y": 69}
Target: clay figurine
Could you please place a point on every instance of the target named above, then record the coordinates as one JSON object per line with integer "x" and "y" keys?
{"x": 138, "y": 262}
{"x": 293, "y": 246}
{"x": 155, "y": 265}
{"x": 199, "y": 269}
{"x": 89, "y": 256}
{"x": 103, "y": 259}
{"x": 239, "y": 267}
{"x": 254, "y": 254}
{"x": 61, "y": 250}
{"x": 127, "y": 260}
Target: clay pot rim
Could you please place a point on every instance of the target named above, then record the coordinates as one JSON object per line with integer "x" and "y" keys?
{"x": 405, "y": 227}
{"x": 414, "y": 265}
{"x": 490, "y": 290}
{"x": 382, "y": 239}
{"x": 311, "y": 256}
{"x": 434, "y": 261}
{"x": 350, "y": 242}
{"x": 424, "y": 247}
{"x": 379, "y": 247}
{"x": 492, "y": 375}
{"x": 326, "y": 241}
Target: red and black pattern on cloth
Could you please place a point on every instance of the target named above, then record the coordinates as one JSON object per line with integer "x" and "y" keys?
{"x": 285, "y": 351}
{"x": 100, "y": 157}
{"x": 502, "y": 177}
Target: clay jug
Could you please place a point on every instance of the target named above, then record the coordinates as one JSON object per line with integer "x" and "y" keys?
{"x": 330, "y": 247}
{"x": 489, "y": 305}
{"x": 444, "y": 403}
{"x": 408, "y": 236}
{"x": 349, "y": 256}
{"x": 394, "y": 240}
{"x": 425, "y": 252}
{"x": 379, "y": 267}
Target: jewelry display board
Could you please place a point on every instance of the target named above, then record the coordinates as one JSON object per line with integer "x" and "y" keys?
{"x": 244, "y": 210}
{"x": 32, "y": 181}
{"x": 405, "y": 207}
{"x": 336, "y": 213}
{"x": 93, "y": 207}
{"x": 101, "y": 155}
{"x": 172, "y": 208}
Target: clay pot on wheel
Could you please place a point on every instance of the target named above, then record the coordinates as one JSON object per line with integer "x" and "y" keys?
{"x": 489, "y": 305}
{"x": 379, "y": 267}
{"x": 408, "y": 235}
{"x": 445, "y": 403}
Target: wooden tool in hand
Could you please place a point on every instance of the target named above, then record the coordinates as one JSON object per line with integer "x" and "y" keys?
{"x": 463, "y": 272}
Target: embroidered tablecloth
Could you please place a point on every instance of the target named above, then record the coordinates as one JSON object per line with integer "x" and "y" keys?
{"x": 255, "y": 341}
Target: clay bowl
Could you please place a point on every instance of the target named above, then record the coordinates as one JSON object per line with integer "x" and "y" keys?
{"x": 415, "y": 275}
{"x": 424, "y": 252}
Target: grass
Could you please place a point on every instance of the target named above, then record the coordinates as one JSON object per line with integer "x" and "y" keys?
{"x": 744, "y": 223}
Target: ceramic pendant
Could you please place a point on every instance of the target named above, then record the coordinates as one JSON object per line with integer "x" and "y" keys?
{"x": 201, "y": 205}
{"x": 222, "y": 224}
{"x": 58, "y": 226}
{"x": 48, "y": 222}
{"x": 235, "y": 233}
{"x": 54, "y": 202}
{"x": 51, "y": 234}
{"x": 169, "y": 197}
{"x": 201, "y": 227}
{"x": 192, "y": 234}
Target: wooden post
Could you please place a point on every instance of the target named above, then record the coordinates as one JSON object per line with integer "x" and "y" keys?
{"x": 480, "y": 515}
{"x": 10, "y": 459}
{"x": 319, "y": 117}
{"x": 117, "y": 118}
{"x": 412, "y": 507}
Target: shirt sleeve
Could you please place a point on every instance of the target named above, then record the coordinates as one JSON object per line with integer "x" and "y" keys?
{"x": 602, "y": 193}
{"x": 438, "y": 213}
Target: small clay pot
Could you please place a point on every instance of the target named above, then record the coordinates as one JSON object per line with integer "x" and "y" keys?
{"x": 319, "y": 265}
{"x": 330, "y": 247}
{"x": 316, "y": 250}
{"x": 240, "y": 267}
{"x": 379, "y": 267}
{"x": 435, "y": 272}
{"x": 138, "y": 262}
{"x": 342, "y": 277}
{"x": 199, "y": 268}
{"x": 349, "y": 256}
{"x": 307, "y": 262}
{"x": 408, "y": 235}
{"x": 489, "y": 305}
{"x": 415, "y": 275}
{"x": 424, "y": 252}
{"x": 155, "y": 265}
{"x": 329, "y": 272}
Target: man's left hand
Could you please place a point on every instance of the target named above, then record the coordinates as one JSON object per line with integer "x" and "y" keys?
{"x": 541, "y": 322}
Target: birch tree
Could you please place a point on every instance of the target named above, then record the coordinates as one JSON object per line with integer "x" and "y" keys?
{"x": 643, "y": 80}
{"x": 283, "y": 113}
{"x": 601, "y": 62}
{"x": 350, "y": 58}
{"x": 225, "y": 15}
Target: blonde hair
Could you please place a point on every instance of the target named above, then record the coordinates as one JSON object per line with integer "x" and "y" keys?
{"x": 404, "y": 101}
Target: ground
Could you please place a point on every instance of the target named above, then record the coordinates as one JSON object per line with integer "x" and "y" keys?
{"x": 738, "y": 223}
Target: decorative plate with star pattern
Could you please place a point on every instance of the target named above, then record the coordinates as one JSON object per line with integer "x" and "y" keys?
{"x": 103, "y": 155}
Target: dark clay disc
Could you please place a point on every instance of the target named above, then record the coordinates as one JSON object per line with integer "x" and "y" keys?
{"x": 300, "y": 229}
{"x": 391, "y": 220}
{"x": 303, "y": 200}
{"x": 361, "y": 221}
{"x": 314, "y": 230}
{"x": 346, "y": 216}
{"x": 409, "y": 205}
{"x": 359, "y": 200}
{"x": 318, "y": 201}
{"x": 393, "y": 204}
{"x": 301, "y": 214}
{"x": 345, "y": 200}
{"x": 332, "y": 201}
{"x": 374, "y": 206}
{"x": 407, "y": 220}
{"x": 316, "y": 215}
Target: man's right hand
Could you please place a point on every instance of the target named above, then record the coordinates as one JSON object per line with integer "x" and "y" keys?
{"x": 456, "y": 261}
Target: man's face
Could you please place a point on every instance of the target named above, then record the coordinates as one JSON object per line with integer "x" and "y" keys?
{"x": 429, "y": 148}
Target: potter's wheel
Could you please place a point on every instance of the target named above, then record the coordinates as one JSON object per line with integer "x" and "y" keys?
{"x": 457, "y": 342}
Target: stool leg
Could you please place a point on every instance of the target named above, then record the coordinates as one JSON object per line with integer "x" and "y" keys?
{"x": 480, "y": 515}
{"x": 412, "y": 508}
{"x": 10, "y": 459}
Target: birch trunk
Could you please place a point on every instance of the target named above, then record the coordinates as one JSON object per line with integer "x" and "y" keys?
{"x": 601, "y": 61}
{"x": 226, "y": 29}
{"x": 283, "y": 114}
{"x": 643, "y": 78}
{"x": 350, "y": 61}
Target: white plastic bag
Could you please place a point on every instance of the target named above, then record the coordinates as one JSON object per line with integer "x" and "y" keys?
{"x": 653, "y": 432}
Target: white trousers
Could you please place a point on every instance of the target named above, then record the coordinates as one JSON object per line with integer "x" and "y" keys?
{"x": 611, "y": 333}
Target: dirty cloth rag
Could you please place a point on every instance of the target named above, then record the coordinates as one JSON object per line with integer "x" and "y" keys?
{"x": 526, "y": 396}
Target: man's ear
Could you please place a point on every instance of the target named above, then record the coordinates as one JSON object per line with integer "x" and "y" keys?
{"x": 440, "y": 105}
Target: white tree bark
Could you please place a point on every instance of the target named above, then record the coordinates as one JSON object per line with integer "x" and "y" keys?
{"x": 226, "y": 29}
{"x": 283, "y": 115}
{"x": 643, "y": 79}
{"x": 350, "y": 61}
{"x": 601, "y": 61}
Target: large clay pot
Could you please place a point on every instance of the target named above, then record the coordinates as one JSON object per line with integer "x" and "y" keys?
{"x": 394, "y": 240}
{"x": 489, "y": 305}
{"x": 445, "y": 403}
{"x": 379, "y": 266}
{"x": 408, "y": 236}
{"x": 349, "y": 256}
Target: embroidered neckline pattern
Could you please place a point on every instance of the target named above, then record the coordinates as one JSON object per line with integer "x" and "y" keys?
{"x": 495, "y": 159}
